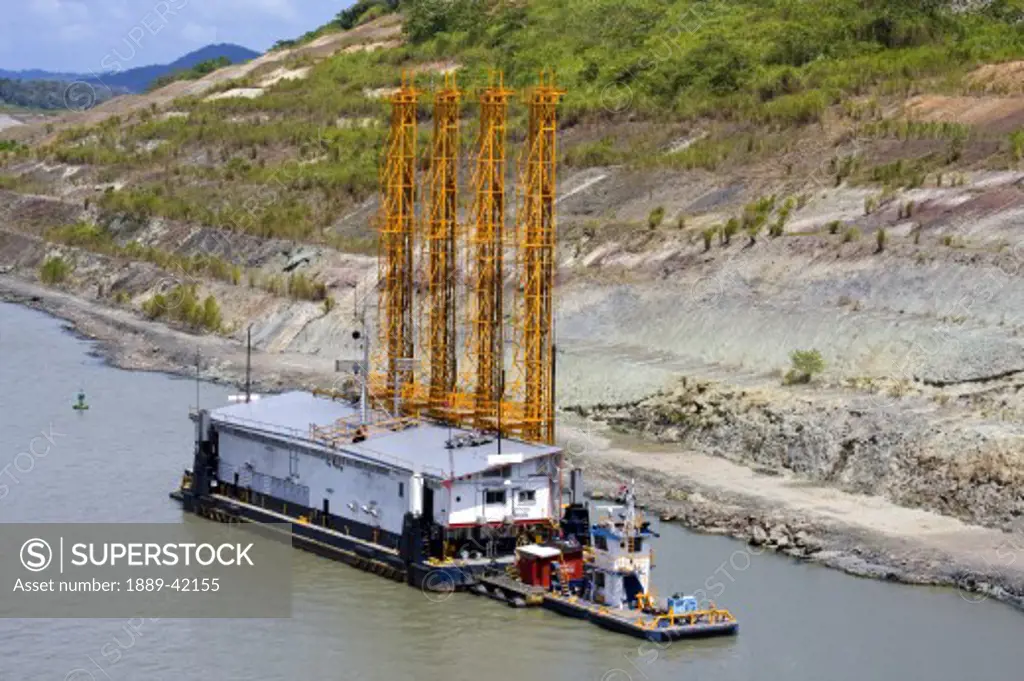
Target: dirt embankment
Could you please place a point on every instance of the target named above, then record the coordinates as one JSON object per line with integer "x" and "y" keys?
{"x": 918, "y": 405}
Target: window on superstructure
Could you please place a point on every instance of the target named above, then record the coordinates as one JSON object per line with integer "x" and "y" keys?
{"x": 601, "y": 542}
{"x": 527, "y": 496}
{"x": 401, "y": 489}
{"x": 494, "y": 496}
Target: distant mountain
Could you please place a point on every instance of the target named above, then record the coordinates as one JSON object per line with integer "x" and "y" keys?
{"x": 139, "y": 79}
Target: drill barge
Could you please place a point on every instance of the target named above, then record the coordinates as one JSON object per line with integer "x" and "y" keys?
{"x": 409, "y": 499}
{"x": 440, "y": 508}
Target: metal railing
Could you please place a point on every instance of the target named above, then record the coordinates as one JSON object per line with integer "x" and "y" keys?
{"x": 310, "y": 436}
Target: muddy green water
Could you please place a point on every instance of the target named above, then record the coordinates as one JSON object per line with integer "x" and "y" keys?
{"x": 116, "y": 463}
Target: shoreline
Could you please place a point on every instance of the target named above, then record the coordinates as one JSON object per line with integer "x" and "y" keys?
{"x": 861, "y": 535}
{"x": 869, "y": 537}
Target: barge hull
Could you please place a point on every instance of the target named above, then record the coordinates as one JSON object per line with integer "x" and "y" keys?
{"x": 334, "y": 545}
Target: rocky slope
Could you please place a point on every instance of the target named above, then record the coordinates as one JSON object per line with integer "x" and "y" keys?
{"x": 910, "y": 454}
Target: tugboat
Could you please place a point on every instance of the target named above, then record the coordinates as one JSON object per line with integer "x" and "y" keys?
{"x": 81, "y": 404}
{"x": 607, "y": 581}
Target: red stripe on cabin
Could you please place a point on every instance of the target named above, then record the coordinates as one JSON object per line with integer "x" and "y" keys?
{"x": 498, "y": 523}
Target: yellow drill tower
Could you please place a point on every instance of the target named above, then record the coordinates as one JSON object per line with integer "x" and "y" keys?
{"x": 536, "y": 263}
{"x": 486, "y": 250}
{"x": 440, "y": 232}
{"x": 393, "y": 368}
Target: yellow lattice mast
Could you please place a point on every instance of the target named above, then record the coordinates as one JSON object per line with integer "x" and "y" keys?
{"x": 536, "y": 263}
{"x": 393, "y": 366}
{"x": 486, "y": 247}
{"x": 439, "y": 237}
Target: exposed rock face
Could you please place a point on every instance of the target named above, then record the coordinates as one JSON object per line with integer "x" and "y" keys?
{"x": 851, "y": 441}
{"x": 758, "y": 537}
{"x": 802, "y": 537}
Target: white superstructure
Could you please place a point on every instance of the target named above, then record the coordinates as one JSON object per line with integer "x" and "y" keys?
{"x": 457, "y": 480}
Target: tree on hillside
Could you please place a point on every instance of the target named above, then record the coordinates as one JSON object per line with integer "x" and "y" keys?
{"x": 195, "y": 73}
{"x": 806, "y": 364}
{"x": 348, "y": 18}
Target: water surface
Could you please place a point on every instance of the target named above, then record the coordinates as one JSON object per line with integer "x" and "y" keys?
{"x": 116, "y": 463}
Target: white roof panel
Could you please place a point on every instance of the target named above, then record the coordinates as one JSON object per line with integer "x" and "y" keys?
{"x": 420, "y": 448}
{"x": 540, "y": 551}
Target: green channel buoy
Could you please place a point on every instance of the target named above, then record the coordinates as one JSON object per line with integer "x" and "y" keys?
{"x": 81, "y": 404}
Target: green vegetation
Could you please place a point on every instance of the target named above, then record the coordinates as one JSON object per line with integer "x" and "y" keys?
{"x": 1017, "y": 145}
{"x": 901, "y": 173}
{"x": 359, "y": 13}
{"x": 54, "y": 270}
{"x": 747, "y": 77}
{"x": 835, "y": 226}
{"x": 96, "y": 239}
{"x": 732, "y": 226}
{"x": 695, "y": 58}
{"x": 908, "y": 130}
{"x": 880, "y": 239}
{"x": 709, "y": 235}
{"x": 656, "y": 217}
{"x": 753, "y": 219}
{"x": 599, "y": 153}
{"x": 870, "y": 204}
{"x": 182, "y": 304}
{"x": 851, "y": 234}
{"x": 756, "y": 214}
{"x": 302, "y": 287}
{"x": 195, "y": 73}
{"x": 806, "y": 365}
{"x": 779, "y": 226}
{"x": 294, "y": 199}
{"x": 50, "y": 95}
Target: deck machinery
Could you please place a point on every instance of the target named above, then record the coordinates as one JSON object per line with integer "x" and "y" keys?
{"x": 444, "y": 468}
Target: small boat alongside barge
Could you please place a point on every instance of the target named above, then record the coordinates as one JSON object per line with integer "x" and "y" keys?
{"x": 605, "y": 578}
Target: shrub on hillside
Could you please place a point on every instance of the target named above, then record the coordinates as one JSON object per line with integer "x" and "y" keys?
{"x": 54, "y": 270}
{"x": 181, "y": 304}
{"x": 708, "y": 235}
{"x": 806, "y": 365}
{"x": 656, "y": 217}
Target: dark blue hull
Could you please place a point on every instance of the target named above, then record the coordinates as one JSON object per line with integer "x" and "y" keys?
{"x": 365, "y": 555}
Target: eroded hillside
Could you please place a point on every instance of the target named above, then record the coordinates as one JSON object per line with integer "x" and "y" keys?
{"x": 844, "y": 179}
